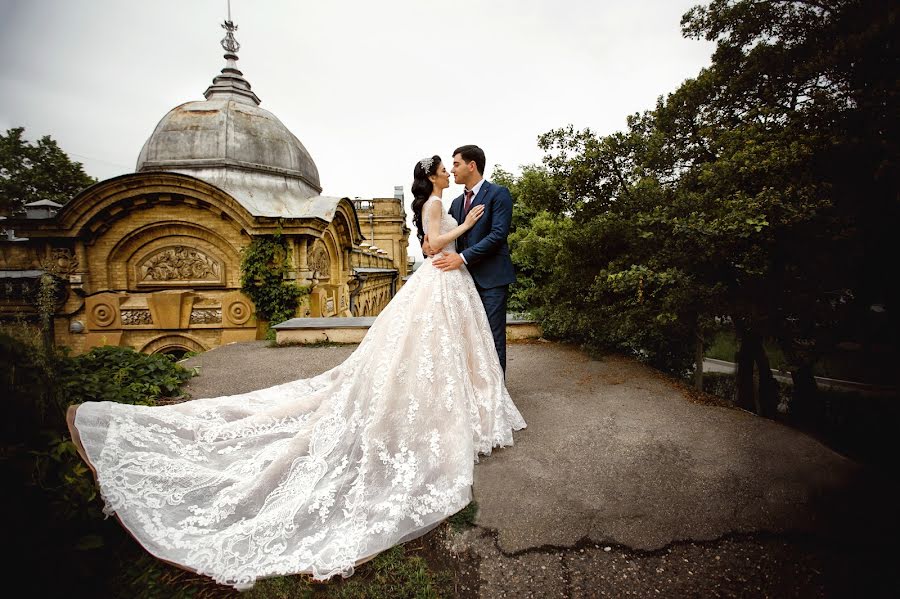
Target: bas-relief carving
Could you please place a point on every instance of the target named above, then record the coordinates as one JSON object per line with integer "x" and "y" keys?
{"x": 181, "y": 265}
{"x": 102, "y": 310}
{"x": 237, "y": 310}
{"x": 320, "y": 262}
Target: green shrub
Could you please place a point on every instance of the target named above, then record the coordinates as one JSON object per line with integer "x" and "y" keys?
{"x": 122, "y": 375}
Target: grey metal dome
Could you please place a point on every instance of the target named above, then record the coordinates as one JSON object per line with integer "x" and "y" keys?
{"x": 228, "y": 132}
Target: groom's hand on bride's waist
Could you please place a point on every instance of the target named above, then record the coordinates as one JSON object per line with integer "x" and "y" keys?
{"x": 445, "y": 261}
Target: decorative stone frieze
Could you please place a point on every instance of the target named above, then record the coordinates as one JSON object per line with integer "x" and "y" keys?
{"x": 136, "y": 317}
{"x": 206, "y": 316}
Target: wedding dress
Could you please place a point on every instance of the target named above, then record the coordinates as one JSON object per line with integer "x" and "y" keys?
{"x": 321, "y": 474}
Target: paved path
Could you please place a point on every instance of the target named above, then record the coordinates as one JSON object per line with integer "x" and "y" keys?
{"x": 618, "y": 472}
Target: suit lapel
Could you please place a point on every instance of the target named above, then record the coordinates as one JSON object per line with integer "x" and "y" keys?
{"x": 456, "y": 209}
{"x": 482, "y": 194}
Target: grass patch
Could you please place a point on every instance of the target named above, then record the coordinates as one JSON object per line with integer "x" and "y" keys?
{"x": 282, "y": 587}
{"x": 464, "y": 518}
{"x": 394, "y": 574}
{"x": 397, "y": 573}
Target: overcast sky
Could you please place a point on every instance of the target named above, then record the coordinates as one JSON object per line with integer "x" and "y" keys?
{"x": 368, "y": 87}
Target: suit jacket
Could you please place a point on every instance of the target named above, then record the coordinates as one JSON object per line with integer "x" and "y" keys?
{"x": 484, "y": 246}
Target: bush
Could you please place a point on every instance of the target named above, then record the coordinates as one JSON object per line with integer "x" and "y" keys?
{"x": 122, "y": 375}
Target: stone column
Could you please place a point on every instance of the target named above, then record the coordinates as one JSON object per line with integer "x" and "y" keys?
{"x": 291, "y": 274}
{"x": 304, "y": 275}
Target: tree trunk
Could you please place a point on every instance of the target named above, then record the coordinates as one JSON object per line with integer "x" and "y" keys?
{"x": 768, "y": 386}
{"x": 803, "y": 398}
{"x": 698, "y": 361}
{"x": 743, "y": 376}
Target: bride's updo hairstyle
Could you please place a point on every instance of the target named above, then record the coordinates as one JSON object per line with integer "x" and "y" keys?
{"x": 422, "y": 188}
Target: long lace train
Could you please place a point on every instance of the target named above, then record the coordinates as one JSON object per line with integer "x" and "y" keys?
{"x": 318, "y": 474}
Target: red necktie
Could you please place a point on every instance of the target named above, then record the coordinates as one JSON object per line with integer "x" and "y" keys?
{"x": 468, "y": 194}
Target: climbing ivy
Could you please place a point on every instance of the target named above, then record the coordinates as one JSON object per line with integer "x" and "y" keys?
{"x": 46, "y": 303}
{"x": 263, "y": 265}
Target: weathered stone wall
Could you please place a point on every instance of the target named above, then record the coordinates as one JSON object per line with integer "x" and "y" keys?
{"x": 383, "y": 223}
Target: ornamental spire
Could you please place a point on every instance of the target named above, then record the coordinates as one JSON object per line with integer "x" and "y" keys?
{"x": 230, "y": 44}
{"x": 231, "y": 83}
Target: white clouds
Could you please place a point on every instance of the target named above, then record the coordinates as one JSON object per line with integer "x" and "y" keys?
{"x": 368, "y": 87}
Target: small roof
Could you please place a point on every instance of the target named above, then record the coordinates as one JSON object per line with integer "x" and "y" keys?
{"x": 373, "y": 270}
{"x": 333, "y": 322}
{"x": 49, "y": 203}
{"x": 20, "y": 274}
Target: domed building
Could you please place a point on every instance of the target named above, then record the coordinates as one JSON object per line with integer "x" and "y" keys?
{"x": 151, "y": 260}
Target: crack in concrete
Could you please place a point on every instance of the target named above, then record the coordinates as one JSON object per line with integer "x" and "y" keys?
{"x": 588, "y": 543}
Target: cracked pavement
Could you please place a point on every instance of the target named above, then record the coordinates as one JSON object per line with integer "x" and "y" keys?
{"x": 622, "y": 486}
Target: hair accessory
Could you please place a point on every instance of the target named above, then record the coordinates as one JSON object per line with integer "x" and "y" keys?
{"x": 426, "y": 163}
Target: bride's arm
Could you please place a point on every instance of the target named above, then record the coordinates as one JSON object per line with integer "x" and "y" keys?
{"x": 435, "y": 212}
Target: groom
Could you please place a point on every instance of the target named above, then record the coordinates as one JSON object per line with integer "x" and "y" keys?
{"x": 483, "y": 249}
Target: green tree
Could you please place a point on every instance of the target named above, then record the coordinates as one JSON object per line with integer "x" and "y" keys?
{"x": 36, "y": 171}
{"x": 798, "y": 112}
{"x": 762, "y": 192}
{"x": 533, "y": 234}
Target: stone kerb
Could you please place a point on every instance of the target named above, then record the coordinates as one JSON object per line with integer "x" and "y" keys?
{"x": 352, "y": 330}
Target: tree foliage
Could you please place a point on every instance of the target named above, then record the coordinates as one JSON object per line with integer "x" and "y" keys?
{"x": 36, "y": 171}
{"x": 762, "y": 192}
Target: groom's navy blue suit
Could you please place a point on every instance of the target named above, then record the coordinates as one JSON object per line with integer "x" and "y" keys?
{"x": 486, "y": 254}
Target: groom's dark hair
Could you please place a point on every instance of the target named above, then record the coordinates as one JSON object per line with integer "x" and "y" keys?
{"x": 472, "y": 153}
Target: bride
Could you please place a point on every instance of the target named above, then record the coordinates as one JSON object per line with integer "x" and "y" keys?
{"x": 321, "y": 474}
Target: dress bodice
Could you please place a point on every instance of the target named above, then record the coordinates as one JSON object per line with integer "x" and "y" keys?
{"x": 448, "y": 223}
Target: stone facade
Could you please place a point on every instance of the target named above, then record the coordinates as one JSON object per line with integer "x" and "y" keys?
{"x": 152, "y": 261}
{"x": 383, "y": 223}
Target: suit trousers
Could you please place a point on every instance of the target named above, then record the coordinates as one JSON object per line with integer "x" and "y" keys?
{"x": 494, "y": 300}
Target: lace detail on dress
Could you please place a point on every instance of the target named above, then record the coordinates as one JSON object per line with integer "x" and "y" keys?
{"x": 316, "y": 475}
